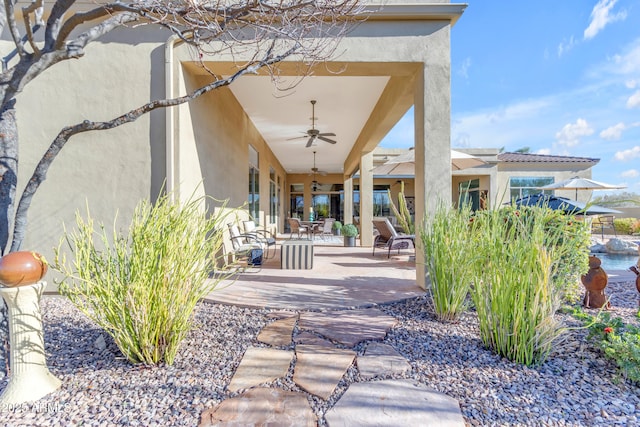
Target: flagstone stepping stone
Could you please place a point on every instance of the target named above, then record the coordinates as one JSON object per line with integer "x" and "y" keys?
{"x": 260, "y": 365}
{"x": 310, "y": 339}
{"x": 281, "y": 314}
{"x": 390, "y": 403}
{"x": 348, "y": 327}
{"x": 261, "y": 407}
{"x": 319, "y": 369}
{"x": 381, "y": 359}
{"x": 278, "y": 333}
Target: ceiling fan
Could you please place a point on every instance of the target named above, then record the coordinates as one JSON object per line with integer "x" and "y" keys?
{"x": 314, "y": 171}
{"x": 314, "y": 133}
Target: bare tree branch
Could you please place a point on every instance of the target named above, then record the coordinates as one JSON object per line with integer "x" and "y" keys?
{"x": 13, "y": 27}
{"x": 37, "y": 7}
{"x": 54, "y": 22}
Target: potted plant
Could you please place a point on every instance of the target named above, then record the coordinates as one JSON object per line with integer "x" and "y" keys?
{"x": 336, "y": 227}
{"x": 349, "y": 231}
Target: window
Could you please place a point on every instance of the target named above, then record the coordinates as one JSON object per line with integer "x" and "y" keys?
{"x": 297, "y": 201}
{"x": 381, "y": 203}
{"x": 522, "y": 186}
{"x": 254, "y": 185}
{"x": 273, "y": 197}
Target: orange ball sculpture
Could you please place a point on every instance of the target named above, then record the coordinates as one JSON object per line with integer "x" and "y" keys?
{"x": 595, "y": 281}
{"x": 21, "y": 269}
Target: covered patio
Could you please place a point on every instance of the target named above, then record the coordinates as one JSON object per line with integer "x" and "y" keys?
{"x": 341, "y": 278}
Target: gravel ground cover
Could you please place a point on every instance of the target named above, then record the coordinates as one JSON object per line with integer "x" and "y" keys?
{"x": 577, "y": 386}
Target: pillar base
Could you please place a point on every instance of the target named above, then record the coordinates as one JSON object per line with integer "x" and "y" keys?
{"x": 30, "y": 378}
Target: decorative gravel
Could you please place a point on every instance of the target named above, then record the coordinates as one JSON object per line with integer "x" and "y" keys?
{"x": 577, "y": 386}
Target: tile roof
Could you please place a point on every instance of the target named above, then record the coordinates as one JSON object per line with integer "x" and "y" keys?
{"x": 543, "y": 158}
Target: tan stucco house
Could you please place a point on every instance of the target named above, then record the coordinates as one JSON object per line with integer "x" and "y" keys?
{"x": 504, "y": 176}
{"x": 239, "y": 143}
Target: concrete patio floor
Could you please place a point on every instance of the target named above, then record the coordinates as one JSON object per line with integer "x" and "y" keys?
{"x": 341, "y": 278}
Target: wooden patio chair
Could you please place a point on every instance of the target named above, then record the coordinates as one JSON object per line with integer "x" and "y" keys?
{"x": 389, "y": 238}
{"x": 296, "y": 227}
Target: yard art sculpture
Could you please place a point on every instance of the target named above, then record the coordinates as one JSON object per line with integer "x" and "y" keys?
{"x": 21, "y": 288}
{"x": 595, "y": 281}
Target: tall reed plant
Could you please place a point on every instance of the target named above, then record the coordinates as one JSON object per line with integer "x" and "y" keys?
{"x": 448, "y": 244}
{"x": 142, "y": 287}
{"x": 515, "y": 296}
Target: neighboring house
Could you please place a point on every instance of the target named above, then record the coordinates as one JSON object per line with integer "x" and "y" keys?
{"x": 505, "y": 176}
{"x": 236, "y": 143}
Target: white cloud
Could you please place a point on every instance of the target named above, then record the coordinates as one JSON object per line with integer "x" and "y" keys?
{"x": 464, "y": 68}
{"x": 631, "y": 84}
{"x": 629, "y": 154}
{"x": 601, "y": 16}
{"x": 634, "y": 100}
{"x": 543, "y": 151}
{"x": 571, "y": 133}
{"x": 566, "y": 46}
{"x": 613, "y": 132}
{"x": 631, "y": 173}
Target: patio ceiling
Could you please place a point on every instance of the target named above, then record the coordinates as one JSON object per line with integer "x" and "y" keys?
{"x": 344, "y": 105}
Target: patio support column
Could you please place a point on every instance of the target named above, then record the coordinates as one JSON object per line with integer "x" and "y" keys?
{"x": 433, "y": 138}
{"x": 348, "y": 200}
{"x": 366, "y": 199}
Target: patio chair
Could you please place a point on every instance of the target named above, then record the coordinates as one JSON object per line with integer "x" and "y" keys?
{"x": 267, "y": 238}
{"x": 600, "y": 222}
{"x": 296, "y": 227}
{"x": 389, "y": 238}
{"x": 327, "y": 227}
{"x": 246, "y": 246}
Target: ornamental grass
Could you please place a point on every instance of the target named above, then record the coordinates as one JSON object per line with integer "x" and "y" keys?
{"x": 517, "y": 288}
{"x": 447, "y": 241}
{"x": 142, "y": 287}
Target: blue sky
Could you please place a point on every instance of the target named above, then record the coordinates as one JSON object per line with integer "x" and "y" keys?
{"x": 559, "y": 77}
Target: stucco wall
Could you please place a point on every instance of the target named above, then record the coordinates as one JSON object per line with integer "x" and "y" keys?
{"x": 108, "y": 171}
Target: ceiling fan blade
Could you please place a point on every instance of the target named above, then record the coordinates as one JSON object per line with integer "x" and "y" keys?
{"x": 297, "y": 137}
{"x": 310, "y": 141}
{"x": 327, "y": 134}
{"x": 330, "y": 141}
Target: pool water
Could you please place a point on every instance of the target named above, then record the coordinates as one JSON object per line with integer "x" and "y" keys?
{"x": 617, "y": 261}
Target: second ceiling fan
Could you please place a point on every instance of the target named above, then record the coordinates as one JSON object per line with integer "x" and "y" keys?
{"x": 314, "y": 133}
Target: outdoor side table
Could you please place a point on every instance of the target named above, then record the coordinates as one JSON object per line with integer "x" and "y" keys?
{"x": 296, "y": 255}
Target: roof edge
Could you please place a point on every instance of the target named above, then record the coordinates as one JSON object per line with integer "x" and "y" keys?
{"x": 416, "y": 12}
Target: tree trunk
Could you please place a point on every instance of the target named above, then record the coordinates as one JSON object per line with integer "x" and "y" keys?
{"x": 8, "y": 181}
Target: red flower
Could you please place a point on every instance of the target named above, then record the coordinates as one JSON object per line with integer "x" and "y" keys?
{"x": 608, "y": 330}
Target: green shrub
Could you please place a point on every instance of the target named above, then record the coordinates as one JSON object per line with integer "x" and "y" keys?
{"x": 618, "y": 341}
{"x": 337, "y": 225}
{"x": 349, "y": 230}
{"x": 624, "y": 225}
{"x": 142, "y": 288}
{"x": 447, "y": 245}
{"x": 517, "y": 288}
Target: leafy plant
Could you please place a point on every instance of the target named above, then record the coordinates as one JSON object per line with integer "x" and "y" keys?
{"x": 624, "y": 225}
{"x": 142, "y": 287}
{"x": 337, "y": 225}
{"x": 447, "y": 245}
{"x": 402, "y": 211}
{"x": 349, "y": 230}
{"x": 619, "y": 342}
{"x": 517, "y": 255}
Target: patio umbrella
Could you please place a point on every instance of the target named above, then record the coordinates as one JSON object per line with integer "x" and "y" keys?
{"x": 405, "y": 164}
{"x": 577, "y": 183}
{"x": 561, "y": 203}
